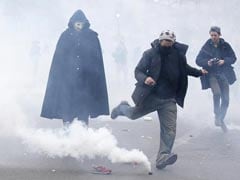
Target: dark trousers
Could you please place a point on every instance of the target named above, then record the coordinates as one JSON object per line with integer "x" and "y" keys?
{"x": 167, "y": 113}
{"x": 220, "y": 89}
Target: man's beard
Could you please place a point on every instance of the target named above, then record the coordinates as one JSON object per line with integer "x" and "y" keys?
{"x": 165, "y": 50}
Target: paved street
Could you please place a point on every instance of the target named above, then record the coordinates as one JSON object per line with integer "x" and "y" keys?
{"x": 204, "y": 153}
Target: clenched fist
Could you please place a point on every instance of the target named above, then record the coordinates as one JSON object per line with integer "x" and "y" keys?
{"x": 150, "y": 81}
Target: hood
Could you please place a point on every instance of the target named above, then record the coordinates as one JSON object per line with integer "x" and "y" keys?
{"x": 78, "y": 16}
{"x": 182, "y": 48}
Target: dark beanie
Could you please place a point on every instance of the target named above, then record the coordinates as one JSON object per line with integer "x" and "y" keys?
{"x": 215, "y": 29}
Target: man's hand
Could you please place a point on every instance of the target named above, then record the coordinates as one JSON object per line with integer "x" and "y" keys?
{"x": 210, "y": 62}
{"x": 204, "y": 71}
{"x": 221, "y": 62}
{"x": 150, "y": 81}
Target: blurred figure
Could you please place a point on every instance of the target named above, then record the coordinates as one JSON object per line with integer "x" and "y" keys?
{"x": 162, "y": 80}
{"x": 217, "y": 57}
{"x": 120, "y": 57}
{"x": 35, "y": 54}
{"x": 120, "y": 54}
{"x": 76, "y": 86}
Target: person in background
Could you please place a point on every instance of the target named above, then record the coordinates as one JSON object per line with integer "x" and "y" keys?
{"x": 217, "y": 57}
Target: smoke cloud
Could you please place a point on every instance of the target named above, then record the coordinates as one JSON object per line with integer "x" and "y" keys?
{"x": 80, "y": 142}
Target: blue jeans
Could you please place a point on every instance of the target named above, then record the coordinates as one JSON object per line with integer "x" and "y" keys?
{"x": 220, "y": 89}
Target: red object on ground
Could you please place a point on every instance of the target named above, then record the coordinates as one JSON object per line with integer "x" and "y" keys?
{"x": 102, "y": 170}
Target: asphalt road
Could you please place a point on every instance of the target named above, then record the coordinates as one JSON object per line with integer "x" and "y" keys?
{"x": 204, "y": 153}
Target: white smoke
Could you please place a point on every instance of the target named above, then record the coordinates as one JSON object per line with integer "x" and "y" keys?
{"x": 80, "y": 142}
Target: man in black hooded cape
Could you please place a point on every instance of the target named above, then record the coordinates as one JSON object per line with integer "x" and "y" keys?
{"x": 76, "y": 85}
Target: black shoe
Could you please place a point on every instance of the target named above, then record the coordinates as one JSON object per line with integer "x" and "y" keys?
{"x": 116, "y": 111}
{"x": 169, "y": 160}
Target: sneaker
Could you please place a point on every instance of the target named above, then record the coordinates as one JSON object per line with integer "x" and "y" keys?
{"x": 116, "y": 111}
{"x": 168, "y": 160}
{"x": 224, "y": 127}
{"x": 218, "y": 123}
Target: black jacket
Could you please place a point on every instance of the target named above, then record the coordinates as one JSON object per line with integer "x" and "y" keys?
{"x": 150, "y": 65}
{"x": 226, "y": 53}
{"x": 76, "y": 84}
